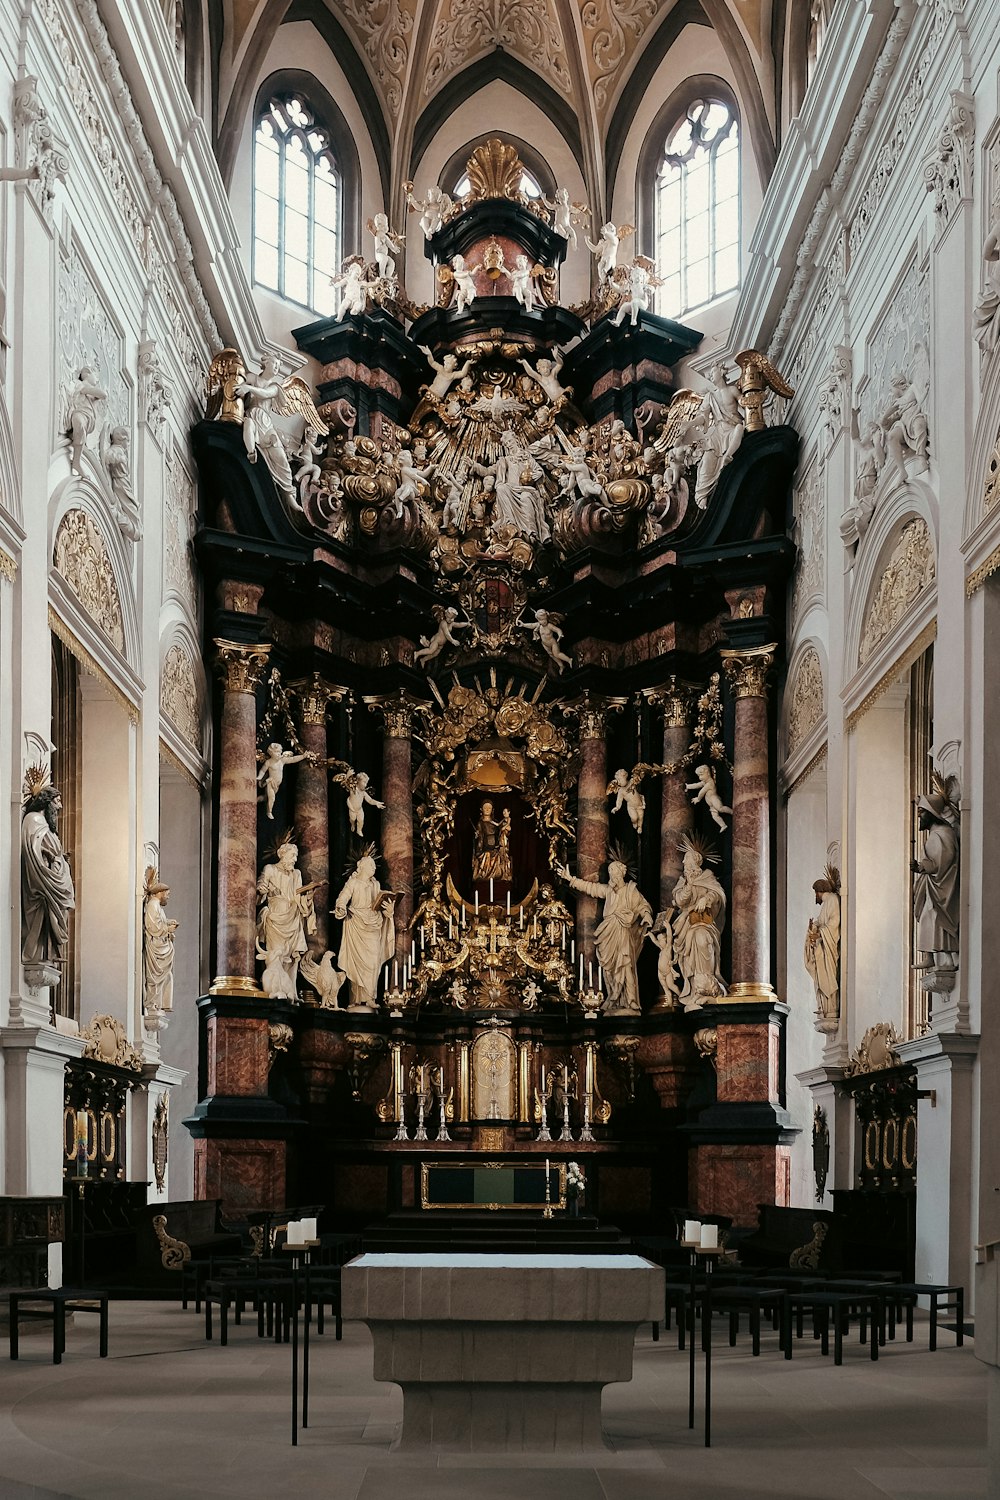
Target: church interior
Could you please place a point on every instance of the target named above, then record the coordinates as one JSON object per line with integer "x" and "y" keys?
{"x": 498, "y": 587}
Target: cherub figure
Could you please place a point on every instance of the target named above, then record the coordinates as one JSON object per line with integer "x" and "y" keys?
{"x": 565, "y": 215}
{"x": 546, "y": 376}
{"x": 433, "y": 208}
{"x": 447, "y": 372}
{"x": 456, "y": 994}
{"x": 356, "y": 288}
{"x": 522, "y": 281}
{"x": 579, "y": 476}
{"x": 465, "y": 285}
{"x": 355, "y": 783}
{"x": 308, "y": 475}
{"x": 453, "y": 517}
{"x": 662, "y": 937}
{"x": 606, "y": 248}
{"x": 624, "y": 787}
{"x": 387, "y": 243}
{"x": 706, "y": 791}
{"x": 640, "y": 282}
{"x": 410, "y": 480}
{"x": 448, "y": 622}
{"x": 272, "y": 772}
{"x": 84, "y": 399}
{"x": 548, "y": 634}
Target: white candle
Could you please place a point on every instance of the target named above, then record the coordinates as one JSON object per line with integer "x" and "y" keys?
{"x": 385, "y": 976}
{"x": 692, "y": 1230}
{"x": 477, "y": 903}
{"x": 508, "y": 903}
{"x": 491, "y": 890}
{"x": 395, "y": 974}
{"x": 710, "y": 1236}
{"x": 293, "y": 1232}
{"x": 543, "y": 1078}
{"x": 600, "y": 977}
{"x": 590, "y": 975}
{"x": 520, "y": 917}
{"x": 562, "y": 941}
{"x": 309, "y": 1229}
{"x": 449, "y": 928}
{"x": 54, "y": 1278}
{"x": 581, "y": 971}
{"x": 572, "y": 950}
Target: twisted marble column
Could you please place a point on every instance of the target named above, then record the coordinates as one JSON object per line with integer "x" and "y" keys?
{"x": 750, "y": 916}
{"x": 312, "y": 800}
{"x": 592, "y": 816}
{"x": 242, "y": 668}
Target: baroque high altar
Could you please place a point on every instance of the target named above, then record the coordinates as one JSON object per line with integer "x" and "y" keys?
{"x": 498, "y": 616}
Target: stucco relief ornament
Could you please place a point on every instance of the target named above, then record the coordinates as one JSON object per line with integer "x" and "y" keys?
{"x": 985, "y": 319}
{"x": 821, "y": 954}
{"x": 909, "y": 570}
{"x": 84, "y": 400}
{"x": 42, "y": 155}
{"x": 156, "y": 390}
{"x": 904, "y": 423}
{"x": 158, "y": 931}
{"x": 106, "y": 1041}
{"x": 115, "y": 457}
{"x": 807, "y": 700}
{"x": 179, "y": 697}
{"x": 81, "y": 556}
{"x": 948, "y": 168}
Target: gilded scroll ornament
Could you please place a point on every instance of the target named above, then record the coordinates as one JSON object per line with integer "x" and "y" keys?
{"x": 173, "y": 1253}
{"x": 107, "y": 1042}
{"x": 875, "y": 1051}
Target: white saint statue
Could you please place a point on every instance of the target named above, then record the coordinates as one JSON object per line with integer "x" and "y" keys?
{"x": 286, "y": 909}
{"x": 157, "y": 947}
{"x": 47, "y": 893}
{"x": 822, "y": 949}
{"x": 368, "y": 938}
{"x": 619, "y": 937}
{"x": 701, "y": 912}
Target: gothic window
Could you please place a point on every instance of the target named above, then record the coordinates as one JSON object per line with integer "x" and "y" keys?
{"x": 296, "y": 204}
{"x": 697, "y": 209}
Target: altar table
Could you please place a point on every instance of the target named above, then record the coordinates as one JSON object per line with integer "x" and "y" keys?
{"x": 502, "y": 1352}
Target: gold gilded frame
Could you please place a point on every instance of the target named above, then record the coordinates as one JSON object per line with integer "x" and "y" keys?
{"x": 427, "y": 1166}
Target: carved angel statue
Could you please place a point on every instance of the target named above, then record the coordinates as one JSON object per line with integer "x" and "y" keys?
{"x": 870, "y": 443}
{"x": 410, "y": 480}
{"x": 157, "y": 946}
{"x": 308, "y": 474}
{"x": 641, "y": 280}
{"x": 624, "y": 787}
{"x": 454, "y": 514}
{"x": 706, "y": 791}
{"x": 115, "y": 457}
{"x": 905, "y": 426}
{"x": 85, "y": 396}
{"x": 325, "y": 978}
{"x": 722, "y": 429}
{"x": 821, "y": 954}
{"x": 276, "y": 416}
{"x": 464, "y": 278}
{"x": 606, "y": 248}
{"x": 433, "y": 208}
{"x": 355, "y": 783}
{"x": 388, "y": 242}
{"x": 675, "y": 488}
{"x": 546, "y": 630}
{"x": 566, "y": 215}
{"x": 662, "y": 937}
{"x": 522, "y": 281}
{"x": 448, "y": 621}
{"x": 578, "y": 476}
{"x": 356, "y": 288}
{"x": 446, "y": 373}
{"x": 272, "y": 772}
{"x": 985, "y": 319}
{"x": 545, "y": 375}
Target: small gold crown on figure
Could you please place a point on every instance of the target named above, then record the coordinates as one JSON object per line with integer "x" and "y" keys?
{"x": 37, "y": 779}
{"x": 697, "y": 843}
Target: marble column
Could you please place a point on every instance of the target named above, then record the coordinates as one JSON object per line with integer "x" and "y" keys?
{"x": 676, "y": 812}
{"x": 592, "y": 816}
{"x": 750, "y": 916}
{"x": 242, "y": 667}
{"x": 397, "y": 820}
{"x": 312, "y": 801}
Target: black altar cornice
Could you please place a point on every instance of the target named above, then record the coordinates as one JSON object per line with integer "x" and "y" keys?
{"x": 500, "y": 318}
{"x": 648, "y": 350}
{"x": 497, "y": 216}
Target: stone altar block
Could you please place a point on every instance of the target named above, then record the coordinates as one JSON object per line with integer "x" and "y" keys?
{"x": 502, "y": 1352}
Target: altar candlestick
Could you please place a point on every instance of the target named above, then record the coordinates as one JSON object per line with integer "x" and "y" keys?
{"x": 395, "y": 974}
{"x": 520, "y": 917}
{"x": 491, "y": 890}
{"x": 477, "y": 903}
{"x": 508, "y": 903}
{"x": 572, "y": 951}
{"x": 581, "y": 971}
{"x": 590, "y": 976}
{"x": 600, "y": 977}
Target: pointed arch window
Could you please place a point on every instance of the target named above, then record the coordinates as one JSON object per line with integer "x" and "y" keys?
{"x": 297, "y": 204}
{"x": 696, "y": 202}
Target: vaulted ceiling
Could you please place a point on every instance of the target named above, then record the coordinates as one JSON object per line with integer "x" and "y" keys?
{"x": 585, "y": 62}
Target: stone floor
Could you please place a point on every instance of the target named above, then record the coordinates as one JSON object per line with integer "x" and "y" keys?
{"x": 169, "y": 1417}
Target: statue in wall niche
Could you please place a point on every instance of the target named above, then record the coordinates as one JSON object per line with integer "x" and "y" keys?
{"x": 706, "y": 791}
{"x": 491, "y": 845}
{"x": 432, "y": 646}
{"x": 626, "y": 919}
{"x": 158, "y": 932}
{"x": 720, "y": 418}
{"x": 547, "y": 632}
{"x": 446, "y": 373}
{"x": 566, "y": 215}
{"x": 115, "y": 456}
{"x": 355, "y": 287}
{"x": 701, "y": 912}
{"x": 936, "y": 887}
{"x": 388, "y": 242}
{"x": 985, "y": 320}
{"x": 355, "y": 783}
{"x": 822, "y": 946}
{"x": 433, "y": 208}
{"x": 368, "y": 938}
{"x": 47, "y": 892}
{"x": 85, "y": 397}
{"x": 286, "y": 913}
{"x": 272, "y": 772}
{"x": 905, "y": 426}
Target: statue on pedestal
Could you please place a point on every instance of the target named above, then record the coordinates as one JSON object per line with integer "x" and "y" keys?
{"x": 701, "y": 911}
{"x": 157, "y": 947}
{"x": 936, "y": 889}
{"x": 285, "y": 911}
{"x": 822, "y": 948}
{"x": 621, "y": 933}
{"x": 368, "y": 938}
{"x": 47, "y": 893}
{"x": 491, "y": 846}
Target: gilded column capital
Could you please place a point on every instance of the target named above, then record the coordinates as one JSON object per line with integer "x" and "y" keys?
{"x": 397, "y": 715}
{"x": 315, "y": 697}
{"x": 748, "y": 669}
{"x": 676, "y": 700}
{"x": 591, "y": 713}
{"x": 241, "y": 666}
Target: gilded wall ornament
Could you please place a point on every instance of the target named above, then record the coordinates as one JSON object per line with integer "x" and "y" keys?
{"x": 315, "y": 696}
{"x": 875, "y": 1051}
{"x": 242, "y": 666}
{"x": 748, "y": 670}
{"x": 909, "y": 570}
{"x": 160, "y": 1141}
{"x": 179, "y": 695}
{"x": 807, "y": 700}
{"x": 279, "y": 1039}
{"x": 81, "y": 556}
{"x": 107, "y": 1042}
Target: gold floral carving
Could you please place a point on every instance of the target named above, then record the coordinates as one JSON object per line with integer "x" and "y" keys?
{"x": 81, "y": 556}
{"x": 106, "y": 1042}
{"x": 748, "y": 670}
{"x": 397, "y": 715}
{"x": 908, "y": 572}
{"x": 160, "y": 1139}
{"x": 8, "y": 567}
{"x": 707, "y": 1042}
{"x": 224, "y": 374}
{"x": 179, "y": 695}
{"x": 806, "y": 707}
{"x": 315, "y": 697}
{"x": 875, "y": 1051}
{"x": 978, "y": 577}
{"x": 242, "y": 666}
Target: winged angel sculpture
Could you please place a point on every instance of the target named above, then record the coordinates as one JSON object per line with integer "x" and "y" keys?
{"x": 277, "y": 415}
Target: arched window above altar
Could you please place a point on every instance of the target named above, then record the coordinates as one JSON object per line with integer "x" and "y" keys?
{"x": 537, "y": 180}
{"x": 297, "y": 202}
{"x": 696, "y": 206}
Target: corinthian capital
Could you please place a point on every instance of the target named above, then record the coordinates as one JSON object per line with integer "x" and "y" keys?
{"x": 315, "y": 697}
{"x": 675, "y": 699}
{"x": 241, "y": 666}
{"x": 748, "y": 670}
{"x": 397, "y": 715}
